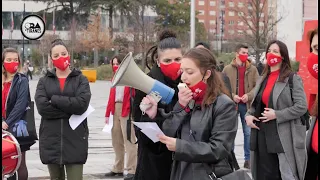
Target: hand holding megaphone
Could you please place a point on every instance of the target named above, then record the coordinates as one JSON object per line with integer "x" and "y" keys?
{"x": 149, "y": 106}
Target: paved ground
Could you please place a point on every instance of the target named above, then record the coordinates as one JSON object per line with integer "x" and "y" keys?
{"x": 101, "y": 155}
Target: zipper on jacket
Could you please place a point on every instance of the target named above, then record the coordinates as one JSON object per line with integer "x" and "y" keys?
{"x": 61, "y": 144}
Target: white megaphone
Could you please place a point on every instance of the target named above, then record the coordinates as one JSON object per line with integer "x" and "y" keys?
{"x": 129, "y": 74}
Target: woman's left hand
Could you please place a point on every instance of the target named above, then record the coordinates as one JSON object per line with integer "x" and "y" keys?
{"x": 169, "y": 141}
{"x": 268, "y": 115}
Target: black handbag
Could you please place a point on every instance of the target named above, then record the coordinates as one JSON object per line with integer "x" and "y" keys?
{"x": 24, "y": 130}
{"x": 236, "y": 175}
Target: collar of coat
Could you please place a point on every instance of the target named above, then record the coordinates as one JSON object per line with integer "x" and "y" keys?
{"x": 74, "y": 72}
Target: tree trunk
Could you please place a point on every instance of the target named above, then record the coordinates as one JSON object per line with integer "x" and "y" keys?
{"x": 95, "y": 57}
{"x": 111, "y": 21}
{"x": 122, "y": 21}
{"x": 73, "y": 33}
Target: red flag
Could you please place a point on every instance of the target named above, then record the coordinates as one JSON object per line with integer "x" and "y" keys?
{"x": 53, "y": 23}
{"x": 12, "y": 22}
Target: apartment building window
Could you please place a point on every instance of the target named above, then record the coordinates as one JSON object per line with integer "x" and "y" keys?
{"x": 262, "y": 15}
{"x": 250, "y": 23}
{"x": 240, "y": 23}
{"x": 213, "y": 13}
{"x": 212, "y": 31}
{"x": 249, "y": 32}
{"x": 201, "y": 20}
{"x": 240, "y": 32}
{"x": 261, "y": 24}
{"x": 231, "y": 13}
{"x": 231, "y": 4}
{"x": 261, "y": 5}
{"x": 212, "y": 22}
{"x": 201, "y": 12}
{"x": 201, "y": 3}
{"x": 231, "y": 32}
{"x": 231, "y": 22}
{"x": 212, "y": 3}
{"x": 240, "y": 4}
{"x": 240, "y": 13}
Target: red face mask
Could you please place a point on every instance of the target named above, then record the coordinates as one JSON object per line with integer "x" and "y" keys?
{"x": 243, "y": 57}
{"x": 312, "y": 65}
{"x": 11, "y": 67}
{"x": 273, "y": 59}
{"x": 62, "y": 63}
{"x": 198, "y": 90}
{"x": 115, "y": 68}
{"x": 172, "y": 70}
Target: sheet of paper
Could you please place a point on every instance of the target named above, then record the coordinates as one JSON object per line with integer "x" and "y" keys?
{"x": 108, "y": 127}
{"x": 150, "y": 129}
{"x": 76, "y": 120}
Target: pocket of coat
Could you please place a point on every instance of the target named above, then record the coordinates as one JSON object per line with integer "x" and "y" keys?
{"x": 299, "y": 138}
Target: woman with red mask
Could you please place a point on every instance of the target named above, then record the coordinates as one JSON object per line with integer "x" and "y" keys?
{"x": 201, "y": 136}
{"x": 15, "y": 99}
{"x": 277, "y": 141}
{"x": 61, "y": 93}
{"x": 312, "y": 136}
{"x": 154, "y": 159}
{"x": 119, "y": 107}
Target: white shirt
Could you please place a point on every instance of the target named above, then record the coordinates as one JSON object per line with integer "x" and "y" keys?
{"x": 119, "y": 93}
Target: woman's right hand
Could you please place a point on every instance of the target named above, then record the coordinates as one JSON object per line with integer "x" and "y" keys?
{"x": 250, "y": 122}
{"x": 185, "y": 95}
{"x": 107, "y": 120}
{"x": 152, "y": 110}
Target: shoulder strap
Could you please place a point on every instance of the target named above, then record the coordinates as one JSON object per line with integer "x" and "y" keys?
{"x": 129, "y": 120}
{"x": 291, "y": 83}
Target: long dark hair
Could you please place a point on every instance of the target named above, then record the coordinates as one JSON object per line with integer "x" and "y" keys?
{"x": 311, "y": 34}
{"x": 119, "y": 58}
{"x": 285, "y": 68}
{"x": 167, "y": 40}
{"x": 205, "y": 60}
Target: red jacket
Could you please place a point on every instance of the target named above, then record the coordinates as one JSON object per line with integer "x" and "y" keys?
{"x": 125, "y": 105}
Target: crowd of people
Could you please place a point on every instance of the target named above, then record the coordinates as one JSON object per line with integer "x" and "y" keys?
{"x": 199, "y": 124}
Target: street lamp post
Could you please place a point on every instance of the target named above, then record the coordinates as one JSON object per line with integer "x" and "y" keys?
{"x": 24, "y": 10}
{"x": 192, "y": 23}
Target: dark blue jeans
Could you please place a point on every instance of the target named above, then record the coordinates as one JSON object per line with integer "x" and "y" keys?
{"x": 242, "y": 108}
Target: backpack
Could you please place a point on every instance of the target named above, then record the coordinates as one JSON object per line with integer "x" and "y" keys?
{"x": 305, "y": 119}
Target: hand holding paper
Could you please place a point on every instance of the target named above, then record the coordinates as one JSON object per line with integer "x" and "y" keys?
{"x": 108, "y": 127}
{"x": 150, "y": 129}
{"x": 76, "y": 120}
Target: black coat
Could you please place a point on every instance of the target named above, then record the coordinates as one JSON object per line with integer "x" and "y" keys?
{"x": 154, "y": 159}
{"x": 204, "y": 139}
{"x": 17, "y": 102}
{"x": 58, "y": 143}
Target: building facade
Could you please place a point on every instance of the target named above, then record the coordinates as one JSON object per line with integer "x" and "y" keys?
{"x": 227, "y": 20}
{"x": 310, "y": 10}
